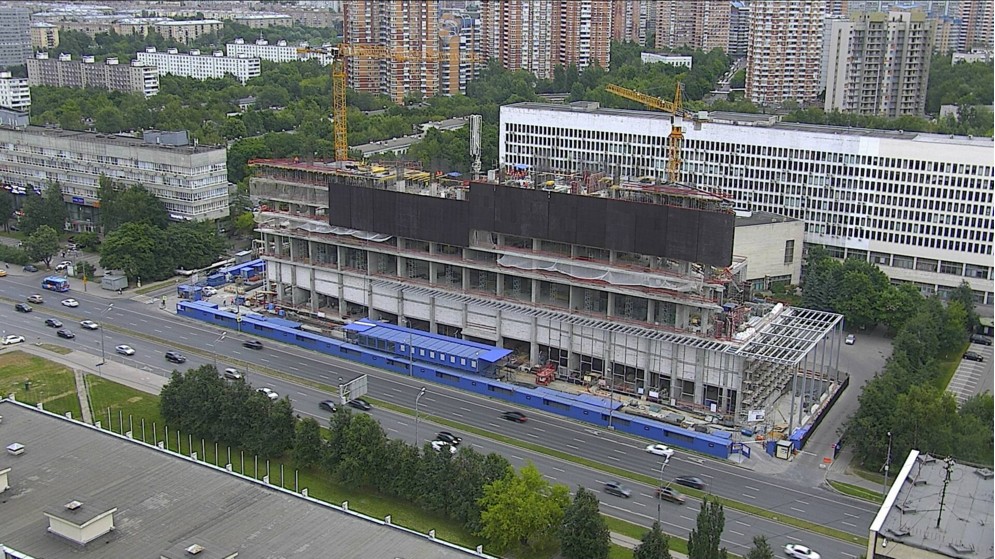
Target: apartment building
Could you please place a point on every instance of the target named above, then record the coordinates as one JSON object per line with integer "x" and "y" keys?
{"x": 739, "y": 28}
{"x": 629, "y": 20}
{"x": 878, "y": 64}
{"x": 918, "y": 205}
{"x": 190, "y": 180}
{"x": 279, "y": 52}
{"x": 701, "y": 25}
{"x": 14, "y": 92}
{"x": 978, "y": 17}
{"x": 44, "y": 35}
{"x": 539, "y": 35}
{"x": 15, "y": 35}
{"x": 199, "y": 66}
{"x": 185, "y": 31}
{"x": 136, "y": 77}
{"x": 784, "y": 51}
{"x": 459, "y": 48}
{"x": 407, "y": 27}
{"x": 263, "y": 21}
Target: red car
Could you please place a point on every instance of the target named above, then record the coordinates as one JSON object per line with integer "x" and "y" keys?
{"x": 515, "y": 416}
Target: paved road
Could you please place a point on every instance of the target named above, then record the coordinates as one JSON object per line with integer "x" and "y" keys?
{"x": 774, "y": 493}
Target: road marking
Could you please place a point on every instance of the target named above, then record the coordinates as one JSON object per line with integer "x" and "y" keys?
{"x": 613, "y": 458}
{"x": 540, "y": 430}
{"x": 850, "y": 515}
{"x": 572, "y": 446}
{"x": 533, "y": 435}
{"x": 324, "y": 376}
{"x": 402, "y": 423}
{"x": 467, "y": 410}
{"x": 638, "y": 503}
{"x": 800, "y": 502}
{"x": 848, "y": 524}
{"x": 264, "y": 360}
{"x": 737, "y": 533}
{"x": 519, "y": 458}
{"x": 687, "y": 517}
{"x": 580, "y": 441}
{"x": 749, "y": 496}
{"x": 157, "y": 331}
{"x": 741, "y": 523}
{"x": 848, "y": 554}
{"x": 184, "y": 338}
{"x": 457, "y": 414}
{"x": 797, "y": 509}
{"x": 750, "y": 488}
{"x": 620, "y": 451}
{"x": 557, "y": 469}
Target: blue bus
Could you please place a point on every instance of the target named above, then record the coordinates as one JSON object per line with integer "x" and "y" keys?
{"x": 55, "y": 283}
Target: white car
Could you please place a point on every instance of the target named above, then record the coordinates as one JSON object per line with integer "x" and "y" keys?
{"x": 209, "y": 291}
{"x": 269, "y": 393}
{"x": 850, "y": 339}
{"x": 89, "y": 324}
{"x": 125, "y": 350}
{"x": 70, "y": 303}
{"x": 8, "y": 340}
{"x": 438, "y": 446}
{"x": 660, "y": 450}
{"x": 800, "y": 551}
{"x": 63, "y": 265}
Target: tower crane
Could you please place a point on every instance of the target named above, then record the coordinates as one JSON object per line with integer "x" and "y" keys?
{"x": 676, "y": 138}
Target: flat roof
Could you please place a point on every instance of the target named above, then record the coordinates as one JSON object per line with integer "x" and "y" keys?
{"x": 427, "y": 340}
{"x": 164, "y": 499}
{"x": 114, "y": 139}
{"x": 747, "y": 219}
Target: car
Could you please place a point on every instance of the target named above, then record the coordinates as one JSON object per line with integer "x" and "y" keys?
{"x": 690, "y": 481}
{"x": 89, "y": 324}
{"x": 21, "y": 307}
{"x": 327, "y": 405}
{"x": 125, "y": 349}
{"x": 36, "y": 299}
{"x": 174, "y": 357}
{"x": 617, "y": 489}
{"x": 232, "y": 373}
{"x": 53, "y": 323}
{"x": 31, "y": 268}
{"x": 973, "y": 356}
{"x": 8, "y": 340}
{"x": 269, "y": 393}
{"x": 670, "y": 494}
{"x": 800, "y": 551}
{"x": 360, "y": 404}
{"x": 447, "y": 437}
{"x": 438, "y": 446}
{"x": 850, "y": 339}
{"x": 252, "y": 344}
{"x": 67, "y": 334}
{"x": 73, "y": 303}
{"x": 209, "y": 291}
{"x": 660, "y": 450}
{"x": 979, "y": 339}
{"x": 3, "y": 273}
{"x": 65, "y": 264}
{"x": 516, "y": 416}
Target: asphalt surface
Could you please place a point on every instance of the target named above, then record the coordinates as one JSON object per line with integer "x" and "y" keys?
{"x": 152, "y": 331}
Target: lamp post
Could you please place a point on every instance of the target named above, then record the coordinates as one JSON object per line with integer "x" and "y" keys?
{"x": 417, "y": 398}
{"x": 214, "y": 349}
{"x": 887, "y": 464}
{"x": 103, "y": 356}
{"x": 658, "y": 498}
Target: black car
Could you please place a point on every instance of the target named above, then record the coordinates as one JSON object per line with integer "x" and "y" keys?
{"x": 617, "y": 489}
{"x": 973, "y": 356}
{"x": 360, "y": 404}
{"x": 691, "y": 481}
{"x": 327, "y": 405}
{"x": 67, "y": 334}
{"x": 447, "y": 437}
{"x": 979, "y": 339}
{"x": 252, "y": 344}
{"x": 30, "y": 268}
{"x": 515, "y": 416}
{"x": 175, "y": 357}
{"x": 53, "y": 323}
{"x": 22, "y": 307}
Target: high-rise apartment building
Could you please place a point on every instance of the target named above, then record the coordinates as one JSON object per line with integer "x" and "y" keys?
{"x": 459, "y": 41}
{"x": 538, "y": 35}
{"x": 978, "y": 24}
{"x": 703, "y": 24}
{"x": 739, "y": 28}
{"x": 879, "y": 64}
{"x": 629, "y": 19}
{"x": 406, "y": 27}
{"x": 14, "y": 92}
{"x": 784, "y": 51}
{"x": 136, "y": 77}
{"x": 199, "y": 66}
{"x": 44, "y": 35}
{"x": 15, "y": 36}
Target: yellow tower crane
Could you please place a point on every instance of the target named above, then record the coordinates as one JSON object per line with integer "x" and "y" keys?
{"x": 676, "y": 138}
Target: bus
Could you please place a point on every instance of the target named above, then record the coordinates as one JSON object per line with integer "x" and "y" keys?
{"x": 55, "y": 283}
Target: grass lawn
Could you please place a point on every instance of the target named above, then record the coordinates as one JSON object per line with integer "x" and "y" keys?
{"x": 51, "y": 384}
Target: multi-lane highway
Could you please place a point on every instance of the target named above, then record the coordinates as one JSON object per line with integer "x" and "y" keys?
{"x": 152, "y": 331}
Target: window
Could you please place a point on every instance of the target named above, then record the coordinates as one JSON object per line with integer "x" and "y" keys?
{"x": 789, "y": 252}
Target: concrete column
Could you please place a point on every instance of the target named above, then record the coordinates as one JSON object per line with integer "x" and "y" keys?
{"x": 431, "y": 272}
{"x": 401, "y": 318}
{"x": 534, "y": 341}
{"x": 650, "y": 311}
{"x": 339, "y": 257}
{"x": 499, "y": 285}
{"x": 611, "y": 304}
{"x": 699, "y": 379}
{"x": 573, "y": 357}
{"x": 497, "y": 328}
{"x": 535, "y": 291}
{"x": 432, "y": 326}
{"x": 313, "y": 307}
{"x": 342, "y": 302}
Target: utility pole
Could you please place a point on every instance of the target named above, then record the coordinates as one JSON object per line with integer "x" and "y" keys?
{"x": 887, "y": 465}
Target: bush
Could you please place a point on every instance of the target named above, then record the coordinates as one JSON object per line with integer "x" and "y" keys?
{"x": 13, "y": 255}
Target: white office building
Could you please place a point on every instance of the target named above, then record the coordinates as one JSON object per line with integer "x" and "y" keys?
{"x": 280, "y": 52}
{"x": 201, "y": 66}
{"x": 14, "y": 92}
{"x": 918, "y": 205}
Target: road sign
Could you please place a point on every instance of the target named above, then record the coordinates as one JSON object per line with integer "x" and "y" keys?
{"x": 355, "y": 388}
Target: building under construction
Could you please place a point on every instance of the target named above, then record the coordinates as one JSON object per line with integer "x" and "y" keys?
{"x": 629, "y": 287}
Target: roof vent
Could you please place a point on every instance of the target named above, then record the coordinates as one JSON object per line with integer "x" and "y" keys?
{"x": 985, "y": 473}
{"x": 962, "y": 548}
{"x": 73, "y": 505}
{"x": 194, "y": 549}
{"x": 900, "y": 532}
{"x": 907, "y": 508}
{"x": 80, "y": 522}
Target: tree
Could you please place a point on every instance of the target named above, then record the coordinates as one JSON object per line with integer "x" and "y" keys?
{"x": 6, "y": 208}
{"x": 245, "y": 223}
{"x": 521, "y": 509}
{"x": 705, "y": 538}
{"x": 42, "y": 245}
{"x": 583, "y": 533}
{"x": 120, "y": 204}
{"x": 48, "y": 209}
{"x": 193, "y": 245}
{"x": 654, "y": 545}
{"x": 965, "y": 295}
{"x": 308, "y": 443}
{"x": 137, "y": 249}
{"x": 362, "y": 450}
{"x": 761, "y": 549}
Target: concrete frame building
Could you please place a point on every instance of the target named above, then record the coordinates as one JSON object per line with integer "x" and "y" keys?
{"x": 14, "y": 92}
{"x": 44, "y": 35}
{"x": 190, "y": 180}
{"x": 66, "y": 72}
{"x": 702, "y": 25}
{"x": 187, "y": 30}
{"x": 199, "y": 66}
{"x": 15, "y": 35}
{"x": 459, "y": 38}
{"x": 878, "y": 64}
{"x": 279, "y": 52}
{"x": 784, "y": 51}
{"x": 918, "y": 205}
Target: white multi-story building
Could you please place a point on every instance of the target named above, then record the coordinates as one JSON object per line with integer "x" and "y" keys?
{"x": 918, "y": 205}
{"x": 784, "y": 51}
{"x": 201, "y": 66}
{"x": 190, "y": 180}
{"x": 280, "y": 52}
{"x": 14, "y": 92}
{"x": 88, "y": 73}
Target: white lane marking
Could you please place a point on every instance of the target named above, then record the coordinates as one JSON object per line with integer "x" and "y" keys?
{"x": 800, "y": 502}
{"x": 749, "y": 496}
{"x": 401, "y": 423}
{"x": 536, "y": 428}
{"x": 619, "y": 451}
{"x": 457, "y": 414}
{"x": 533, "y": 435}
{"x": 468, "y": 410}
{"x": 640, "y": 504}
{"x": 573, "y": 447}
{"x": 580, "y": 441}
{"x": 741, "y": 523}
{"x": 157, "y": 331}
{"x": 848, "y": 524}
{"x": 557, "y": 469}
{"x": 737, "y": 533}
{"x": 750, "y": 488}
{"x": 519, "y": 458}
{"x": 849, "y": 554}
{"x": 797, "y": 509}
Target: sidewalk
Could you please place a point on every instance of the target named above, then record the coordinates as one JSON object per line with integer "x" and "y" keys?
{"x": 631, "y": 543}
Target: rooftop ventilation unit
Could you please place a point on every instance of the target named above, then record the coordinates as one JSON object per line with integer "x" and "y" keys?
{"x": 79, "y": 522}
{"x": 985, "y": 473}
{"x": 203, "y": 550}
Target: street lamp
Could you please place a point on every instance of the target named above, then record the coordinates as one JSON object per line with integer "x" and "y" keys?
{"x": 214, "y": 349}
{"x": 417, "y": 398}
{"x": 103, "y": 356}
{"x": 887, "y": 464}
{"x": 659, "y": 498}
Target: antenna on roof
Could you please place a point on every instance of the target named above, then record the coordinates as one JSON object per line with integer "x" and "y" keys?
{"x": 949, "y": 466}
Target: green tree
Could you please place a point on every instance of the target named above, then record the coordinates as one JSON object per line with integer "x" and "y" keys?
{"x": 308, "y": 443}
{"x": 120, "y": 204}
{"x": 898, "y": 304}
{"x": 583, "y": 532}
{"x": 654, "y": 545}
{"x": 42, "y": 245}
{"x": 706, "y": 537}
{"x": 761, "y": 549}
{"x": 521, "y": 509}
{"x": 245, "y": 223}
{"x": 193, "y": 245}
{"x": 965, "y": 295}
{"x": 137, "y": 249}
{"x": 363, "y": 447}
{"x": 6, "y": 208}
{"x": 48, "y": 209}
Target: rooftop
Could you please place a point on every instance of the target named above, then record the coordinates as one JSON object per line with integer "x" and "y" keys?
{"x": 428, "y": 340}
{"x": 164, "y": 500}
{"x": 747, "y": 219}
{"x": 124, "y": 141}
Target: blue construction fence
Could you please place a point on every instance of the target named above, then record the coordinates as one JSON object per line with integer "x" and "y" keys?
{"x": 583, "y": 407}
